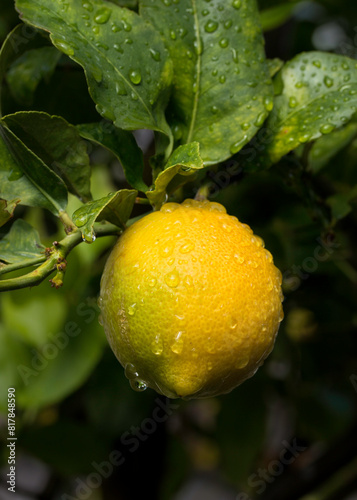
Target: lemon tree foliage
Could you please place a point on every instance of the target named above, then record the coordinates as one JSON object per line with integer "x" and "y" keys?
{"x": 7, "y": 209}
{"x": 185, "y": 161}
{"x": 18, "y": 46}
{"x": 123, "y": 145}
{"x": 26, "y": 73}
{"x": 315, "y": 94}
{"x": 115, "y": 208}
{"x": 21, "y": 243}
{"x": 25, "y": 175}
{"x": 58, "y": 144}
{"x": 127, "y": 78}
{"x": 222, "y": 92}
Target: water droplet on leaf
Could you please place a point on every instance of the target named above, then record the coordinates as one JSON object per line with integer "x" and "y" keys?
{"x": 237, "y": 146}
{"x": 260, "y": 119}
{"x": 268, "y": 103}
{"x": 211, "y": 26}
{"x": 115, "y": 28}
{"x": 97, "y": 74}
{"x": 237, "y": 4}
{"x": 235, "y": 56}
{"x": 64, "y": 47}
{"x": 327, "y": 128}
{"x": 120, "y": 88}
{"x": 135, "y": 77}
{"x": 292, "y": 102}
{"x": 102, "y": 15}
{"x": 224, "y": 42}
{"x": 126, "y": 26}
{"x": 155, "y": 54}
{"x": 328, "y": 81}
{"x": 88, "y": 6}
{"x": 138, "y": 385}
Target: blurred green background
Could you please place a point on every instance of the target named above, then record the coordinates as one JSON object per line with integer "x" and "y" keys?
{"x": 289, "y": 432}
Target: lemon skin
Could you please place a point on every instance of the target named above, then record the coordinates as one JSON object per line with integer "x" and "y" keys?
{"x": 190, "y": 301}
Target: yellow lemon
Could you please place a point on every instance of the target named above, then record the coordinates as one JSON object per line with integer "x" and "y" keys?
{"x": 190, "y": 301}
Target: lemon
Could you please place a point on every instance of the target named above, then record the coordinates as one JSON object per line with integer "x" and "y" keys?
{"x": 190, "y": 301}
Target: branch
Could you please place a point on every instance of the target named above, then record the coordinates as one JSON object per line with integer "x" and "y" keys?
{"x": 55, "y": 260}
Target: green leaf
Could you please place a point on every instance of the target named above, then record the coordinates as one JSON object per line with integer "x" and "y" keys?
{"x": 56, "y": 143}
{"x": 115, "y": 208}
{"x": 62, "y": 364}
{"x": 28, "y": 70}
{"x": 185, "y": 160}
{"x": 222, "y": 91}
{"x": 340, "y": 203}
{"x": 130, "y": 4}
{"x": 23, "y": 175}
{"x": 123, "y": 145}
{"x": 317, "y": 93}
{"x": 20, "y": 39}
{"x": 7, "y": 210}
{"x": 128, "y": 84}
{"x": 274, "y": 65}
{"x": 22, "y": 316}
{"x": 274, "y": 17}
{"x": 22, "y": 242}
{"x": 327, "y": 146}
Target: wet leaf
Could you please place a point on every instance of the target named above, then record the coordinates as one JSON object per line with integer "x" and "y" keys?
{"x": 274, "y": 17}
{"x": 19, "y": 40}
{"x": 327, "y": 146}
{"x": 222, "y": 91}
{"x": 21, "y": 243}
{"x": 123, "y": 145}
{"x": 7, "y": 210}
{"x": 56, "y": 143}
{"x": 110, "y": 43}
{"x": 28, "y": 70}
{"x": 115, "y": 208}
{"x": 185, "y": 160}
{"x": 317, "y": 92}
{"x": 24, "y": 175}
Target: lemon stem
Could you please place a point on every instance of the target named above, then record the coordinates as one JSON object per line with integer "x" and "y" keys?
{"x": 202, "y": 193}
